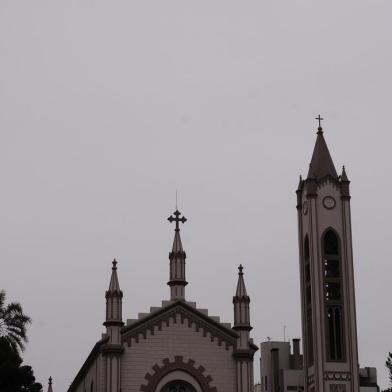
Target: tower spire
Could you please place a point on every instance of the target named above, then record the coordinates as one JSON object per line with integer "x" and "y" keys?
{"x": 177, "y": 258}
{"x": 321, "y": 164}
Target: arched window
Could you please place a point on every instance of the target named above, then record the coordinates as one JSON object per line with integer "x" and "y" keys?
{"x": 333, "y": 296}
{"x": 178, "y": 386}
{"x": 92, "y": 386}
{"x": 308, "y": 303}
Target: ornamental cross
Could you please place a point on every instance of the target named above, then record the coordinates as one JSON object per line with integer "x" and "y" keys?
{"x": 319, "y": 118}
{"x": 176, "y": 218}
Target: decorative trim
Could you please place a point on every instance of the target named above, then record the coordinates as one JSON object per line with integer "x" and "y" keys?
{"x": 337, "y": 388}
{"x": 179, "y": 282}
{"x": 242, "y": 327}
{"x": 178, "y": 364}
{"x": 337, "y": 376}
{"x": 163, "y": 316}
{"x": 326, "y": 180}
{"x": 112, "y": 349}
{"x": 244, "y": 354}
{"x": 113, "y": 323}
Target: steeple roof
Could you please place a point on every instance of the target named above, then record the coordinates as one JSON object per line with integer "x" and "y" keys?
{"x": 114, "y": 284}
{"x": 241, "y": 289}
{"x": 321, "y": 164}
{"x": 177, "y": 244}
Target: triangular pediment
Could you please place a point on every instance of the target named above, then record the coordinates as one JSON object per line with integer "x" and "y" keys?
{"x": 186, "y": 314}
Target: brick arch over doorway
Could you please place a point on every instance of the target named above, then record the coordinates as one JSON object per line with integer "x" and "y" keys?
{"x": 153, "y": 379}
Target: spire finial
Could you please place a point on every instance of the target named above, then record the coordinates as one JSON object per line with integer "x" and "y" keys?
{"x": 240, "y": 269}
{"x": 114, "y": 262}
{"x": 319, "y": 129}
{"x": 50, "y": 380}
{"x": 176, "y": 218}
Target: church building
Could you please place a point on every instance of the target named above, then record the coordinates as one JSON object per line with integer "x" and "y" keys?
{"x": 176, "y": 347}
{"x": 179, "y": 347}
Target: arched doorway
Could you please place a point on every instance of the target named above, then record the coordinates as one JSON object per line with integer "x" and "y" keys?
{"x": 178, "y": 386}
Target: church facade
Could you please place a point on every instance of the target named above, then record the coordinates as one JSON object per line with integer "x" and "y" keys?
{"x": 178, "y": 347}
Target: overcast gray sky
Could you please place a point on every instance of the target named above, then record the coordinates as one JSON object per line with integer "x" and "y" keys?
{"x": 108, "y": 107}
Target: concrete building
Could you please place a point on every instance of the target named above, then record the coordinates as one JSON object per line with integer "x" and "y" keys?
{"x": 177, "y": 347}
{"x": 281, "y": 369}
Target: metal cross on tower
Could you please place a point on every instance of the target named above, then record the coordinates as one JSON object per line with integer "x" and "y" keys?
{"x": 319, "y": 118}
{"x": 176, "y": 218}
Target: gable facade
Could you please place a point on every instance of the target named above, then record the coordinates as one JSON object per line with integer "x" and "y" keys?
{"x": 176, "y": 347}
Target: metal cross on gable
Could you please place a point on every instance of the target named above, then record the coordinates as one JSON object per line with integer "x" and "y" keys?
{"x": 176, "y": 218}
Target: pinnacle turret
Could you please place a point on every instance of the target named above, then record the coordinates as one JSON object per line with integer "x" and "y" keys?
{"x": 177, "y": 258}
{"x": 114, "y": 299}
{"x": 344, "y": 177}
{"x": 50, "y": 382}
{"x": 241, "y": 302}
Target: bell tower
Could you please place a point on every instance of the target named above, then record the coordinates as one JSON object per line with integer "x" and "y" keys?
{"x": 327, "y": 276}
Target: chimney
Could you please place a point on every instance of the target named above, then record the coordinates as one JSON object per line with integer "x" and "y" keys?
{"x": 296, "y": 353}
{"x": 275, "y": 370}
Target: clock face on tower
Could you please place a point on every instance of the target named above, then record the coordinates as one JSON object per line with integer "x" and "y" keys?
{"x": 329, "y": 202}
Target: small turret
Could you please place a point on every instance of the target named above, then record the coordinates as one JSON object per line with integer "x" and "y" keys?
{"x": 241, "y": 302}
{"x": 245, "y": 349}
{"x": 177, "y": 258}
{"x": 345, "y": 184}
{"x": 50, "y": 389}
{"x": 113, "y": 349}
{"x": 114, "y": 296}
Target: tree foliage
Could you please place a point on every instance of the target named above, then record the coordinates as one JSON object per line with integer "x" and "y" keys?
{"x": 388, "y": 364}
{"x": 13, "y": 323}
{"x": 14, "y": 377}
